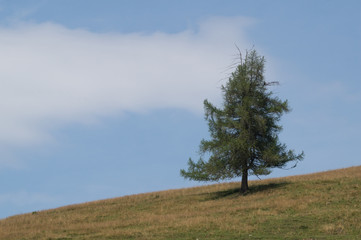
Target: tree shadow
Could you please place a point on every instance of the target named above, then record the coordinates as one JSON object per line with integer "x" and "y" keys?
{"x": 236, "y": 192}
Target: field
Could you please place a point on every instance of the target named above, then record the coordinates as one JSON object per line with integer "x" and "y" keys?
{"x": 324, "y": 205}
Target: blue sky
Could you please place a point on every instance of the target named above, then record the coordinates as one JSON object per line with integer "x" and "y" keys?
{"x": 102, "y": 99}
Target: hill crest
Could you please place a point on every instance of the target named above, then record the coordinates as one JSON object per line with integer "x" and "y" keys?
{"x": 322, "y": 205}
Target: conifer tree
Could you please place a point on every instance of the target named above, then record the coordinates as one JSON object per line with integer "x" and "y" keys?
{"x": 244, "y": 131}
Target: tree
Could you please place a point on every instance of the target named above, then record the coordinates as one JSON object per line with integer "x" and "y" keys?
{"x": 244, "y": 132}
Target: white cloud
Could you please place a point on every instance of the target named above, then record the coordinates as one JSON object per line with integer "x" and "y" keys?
{"x": 51, "y": 75}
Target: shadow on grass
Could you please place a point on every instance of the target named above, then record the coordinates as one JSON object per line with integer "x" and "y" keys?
{"x": 236, "y": 192}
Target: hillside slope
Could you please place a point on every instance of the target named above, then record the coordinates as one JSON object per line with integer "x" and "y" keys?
{"x": 325, "y": 205}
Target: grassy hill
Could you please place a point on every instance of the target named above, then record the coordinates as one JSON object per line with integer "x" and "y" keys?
{"x": 324, "y": 205}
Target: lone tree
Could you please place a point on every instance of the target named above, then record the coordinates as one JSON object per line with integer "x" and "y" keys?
{"x": 244, "y": 132}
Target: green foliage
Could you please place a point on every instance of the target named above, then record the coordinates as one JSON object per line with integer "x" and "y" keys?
{"x": 244, "y": 131}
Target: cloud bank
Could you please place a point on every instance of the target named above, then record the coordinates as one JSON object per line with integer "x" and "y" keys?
{"x": 51, "y": 75}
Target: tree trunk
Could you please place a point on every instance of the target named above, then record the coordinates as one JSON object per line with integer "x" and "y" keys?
{"x": 244, "y": 186}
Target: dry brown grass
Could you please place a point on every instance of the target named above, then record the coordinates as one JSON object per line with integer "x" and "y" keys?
{"x": 316, "y": 206}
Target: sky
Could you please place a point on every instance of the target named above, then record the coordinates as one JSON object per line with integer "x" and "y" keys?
{"x": 101, "y": 99}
